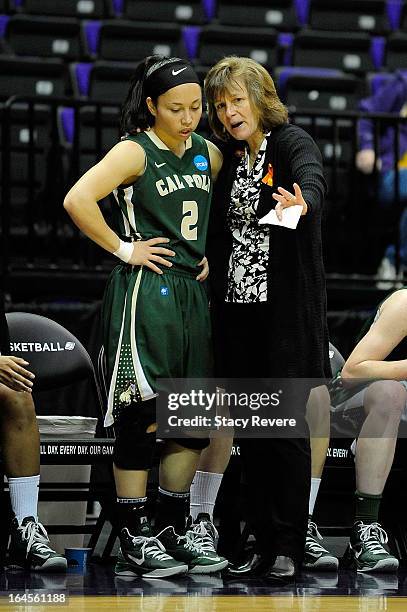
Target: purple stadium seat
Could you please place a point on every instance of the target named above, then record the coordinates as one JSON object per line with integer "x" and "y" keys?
{"x": 170, "y": 11}
{"x": 280, "y": 14}
{"x": 92, "y": 36}
{"x": 394, "y": 11}
{"x": 349, "y": 15}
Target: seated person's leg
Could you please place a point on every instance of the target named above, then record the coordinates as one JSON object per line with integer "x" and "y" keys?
{"x": 318, "y": 419}
{"x": 384, "y": 402}
{"x": 29, "y": 544}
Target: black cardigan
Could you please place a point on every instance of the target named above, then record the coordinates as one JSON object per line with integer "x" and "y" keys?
{"x": 296, "y": 281}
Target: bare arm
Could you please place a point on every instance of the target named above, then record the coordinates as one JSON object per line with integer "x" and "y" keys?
{"x": 367, "y": 359}
{"x": 122, "y": 165}
{"x": 13, "y": 375}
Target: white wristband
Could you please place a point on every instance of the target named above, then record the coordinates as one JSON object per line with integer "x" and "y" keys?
{"x": 125, "y": 251}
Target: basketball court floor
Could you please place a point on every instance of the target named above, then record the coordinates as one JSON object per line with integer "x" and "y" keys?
{"x": 98, "y": 588}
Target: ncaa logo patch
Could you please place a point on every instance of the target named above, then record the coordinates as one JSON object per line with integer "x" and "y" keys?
{"x": 164, "y": 291}
{"x": 201, "y": 163}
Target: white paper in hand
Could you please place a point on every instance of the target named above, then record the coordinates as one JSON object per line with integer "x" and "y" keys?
{"x": 291, "y": 216}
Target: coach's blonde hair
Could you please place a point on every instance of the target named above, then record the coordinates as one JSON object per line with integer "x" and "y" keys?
{"x": 260, "y": 86}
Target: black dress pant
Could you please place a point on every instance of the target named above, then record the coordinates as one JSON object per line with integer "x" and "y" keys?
{"x": 277, "y": 469}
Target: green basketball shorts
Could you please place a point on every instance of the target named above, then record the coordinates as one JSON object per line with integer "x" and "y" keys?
{"x": 154, "y": 326}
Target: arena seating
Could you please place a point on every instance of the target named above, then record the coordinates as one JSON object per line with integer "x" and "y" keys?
{"x": 189, "y": 12}
{"x": 331, "y": 49}
{"x": 396, "y": 50}
{"x": 329, "y": 89}
{"x": 403, "y": 26}
{"x": 258, "y": 43}
{"x": 349, "y": 15}
{"x": 32, "y": 76}
{"x": 96, "y": 9}
{"x": 324, "y": 54}
{"x": 29, "y": 35}
{"x": 279, "y": 14}
{"x": 141, "y": 39}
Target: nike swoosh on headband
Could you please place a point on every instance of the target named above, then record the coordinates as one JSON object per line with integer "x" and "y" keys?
{"x": 175, "y": 72}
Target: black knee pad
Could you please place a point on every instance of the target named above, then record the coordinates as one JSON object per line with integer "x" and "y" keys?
{"x": 134, "y": 447}
{"x": 192, "y": 443}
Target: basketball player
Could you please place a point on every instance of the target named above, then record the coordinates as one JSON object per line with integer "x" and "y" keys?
{"x": 20, "y": 443}
{"x": 379, "y": 355}
{"x": 155, "y": 311}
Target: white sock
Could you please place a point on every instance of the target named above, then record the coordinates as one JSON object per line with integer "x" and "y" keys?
{"x": 24, "y": 496}
{"x": 315, "y": 482}
{"x": 204, "y": 490}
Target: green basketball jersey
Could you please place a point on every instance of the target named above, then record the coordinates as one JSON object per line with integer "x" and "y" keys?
{"x": 171, "y": 199}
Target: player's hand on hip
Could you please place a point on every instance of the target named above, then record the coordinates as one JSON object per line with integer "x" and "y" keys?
{"x": 203, "y": 275}
{"x": 13, "y": 375}
{"x": 285, "y": 199}
{"x": 148, "y": 253}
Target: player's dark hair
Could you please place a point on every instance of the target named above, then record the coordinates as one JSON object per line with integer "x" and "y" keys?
{"x": 225, "y": 76}
{"x": 135, "y": 115}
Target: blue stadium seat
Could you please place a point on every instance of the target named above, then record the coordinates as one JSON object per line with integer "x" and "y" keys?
{"x": 28, "y": 136}
{"x": 4, "y": 19}
{"x": 396, "y": 52}
{"x": 130, "y": 41}
{"x": 349, "y": 15}
{"x": 82, "y": 9}
{"x": 107, "y": 81}
{"x": 394, "y": 12}
{"x": 258, "y": 43}
{"x": 44, "y": 36}
{"x": 279, "y": 14}
{"x": 19, "y": 145}
{"x": 403, "y": 18}
{"x": 32, "y": 76}
{"x": 186, "y": 12}
{"x": 319, "y": 89}
{"x": 350, "y": 52}
{"x": 97, "y": 132}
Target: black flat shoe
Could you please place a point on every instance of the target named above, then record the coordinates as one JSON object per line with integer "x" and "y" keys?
{"x": 282, "y": 570}
{"x": 255, "y": 566}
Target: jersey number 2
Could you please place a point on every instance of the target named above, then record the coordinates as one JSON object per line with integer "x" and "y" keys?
{"x": 189, "y": 229}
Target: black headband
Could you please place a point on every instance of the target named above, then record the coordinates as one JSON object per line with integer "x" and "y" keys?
{"x": 168, "y": 76}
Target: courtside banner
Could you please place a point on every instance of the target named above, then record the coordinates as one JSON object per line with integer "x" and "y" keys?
{"x": 263, "y": 408}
